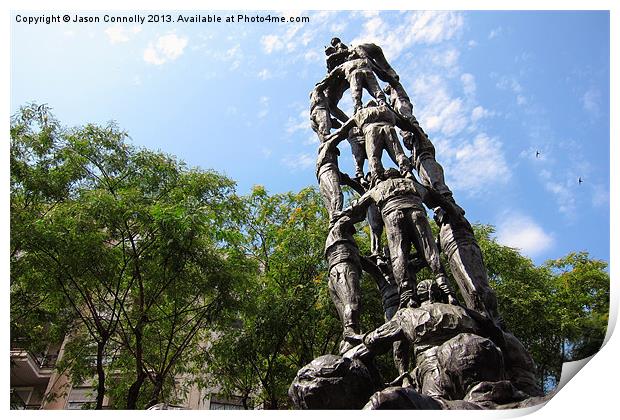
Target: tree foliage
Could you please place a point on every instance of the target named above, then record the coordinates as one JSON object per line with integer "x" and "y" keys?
{"x": 157, "y": 271}
{"x": 128, "y": 241}
{"x": 285, "y": 318}
{"x": 558, "y": 310}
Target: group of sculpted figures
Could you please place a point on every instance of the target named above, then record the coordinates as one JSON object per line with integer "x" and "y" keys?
{"x": 450, "y": 355}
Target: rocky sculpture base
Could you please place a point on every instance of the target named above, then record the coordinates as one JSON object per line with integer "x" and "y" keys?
{"x": 335, "y": 382}
{"x": 332, "y": 382}
{"x": 460, "y": 364}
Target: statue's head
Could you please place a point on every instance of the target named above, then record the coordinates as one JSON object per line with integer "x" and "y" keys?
{"x": 336, "y": 42}
{"x": 427, "y": 290}
{"x": 337, "y": 53}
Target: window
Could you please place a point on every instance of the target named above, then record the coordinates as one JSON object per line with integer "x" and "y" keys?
{"x": 220, "y": 402}
{"x": 81, "y": 398}
{"x": 216, "y": 405}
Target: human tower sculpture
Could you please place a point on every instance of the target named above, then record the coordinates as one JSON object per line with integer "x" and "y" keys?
{"x": 449, "y": 354}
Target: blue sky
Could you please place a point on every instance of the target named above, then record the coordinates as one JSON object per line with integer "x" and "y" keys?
{"x": 490, "y": 88}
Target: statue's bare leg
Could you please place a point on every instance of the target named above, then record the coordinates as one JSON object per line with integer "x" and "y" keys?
{"x": 344, "y": 288}
{"x": 374, "y": 150}
{"x": 375, "y": 222}
{"x": 399, "y": 245}
{"x": 396, "y": 152}
{"x": 329, "y": 187}
{"x": 321, "y": 123}
{"x": 425, "y": 245}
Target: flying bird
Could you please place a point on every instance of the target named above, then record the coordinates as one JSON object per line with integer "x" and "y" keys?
{"x": 537, "y": 153}
{"x": 580, "y": 180}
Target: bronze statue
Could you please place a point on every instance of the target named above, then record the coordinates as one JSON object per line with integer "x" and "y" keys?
{"x": 376, "y": 122}
{"x": 457, "y": 241}
{"x": 463, "y": 357}
{"x": 344, "y": 276}
{"x": 357, "y": 71}
{"x": 328, "y": 176}
{"x": 406, "y": 225}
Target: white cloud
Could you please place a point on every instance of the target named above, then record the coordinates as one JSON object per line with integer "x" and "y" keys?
{"x": 338, "y": 27}
{"x": 232, "y": 52}
{"x": 313, "y": 56}
{"x": 425, "y": 27}
{"x": 303, "y": 161}
{"x": 469, "y": 84}
{"x": 167, "y": 48}
{"x": 234, "y": 55}
{"x": 370, "y": 13}
{"x": 473, "y": 166}
{"x": 346, "y": 104}
{"x": 300, "y": 123}
{"x": 439, "y": 112}
{"x": 564, "y": 195}
{"x": 152, "y": 56}
{"x": 495, "y": 32}
{"x": 600, "y": 196}
{"x": 537, "y": 155}
{"x": 312, "y": 139}
{"x": 263, "y": 106}
{"x": 479, "y": 112}
{"x": 511, "y": 84}
{"x": 307, "y": 37}
{"x": 562, "y": 188}
{"x": 447, "y": 58}
{"x": 289, "y": 37}
{"x": 264, "y": 74}
{"x": 299, "y": 126}
{"x": 523, "y": 57}
{"x": 118, "y": 33}
{"x": 560, "y": 165}
{"x": 521, "y": 232}
{"x": 271, "y": 43}
{"x": 590, "y": 101}
{"x": 472, "y": 43}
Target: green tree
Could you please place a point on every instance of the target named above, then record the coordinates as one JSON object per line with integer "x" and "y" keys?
{"x": 57, "y": 233}
{"x": 521, "y": 286}
{"x": 558, "y": 310}
{"x": 582, "y": 289}
{"x": 158, "y": 271}
{"x": 286, "y": 318}
{"x": 39, "y": 180}
{"x": 130, "y": 241}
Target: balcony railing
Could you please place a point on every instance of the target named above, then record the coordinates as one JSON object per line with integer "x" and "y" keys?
{"x": 42, "y": 360}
